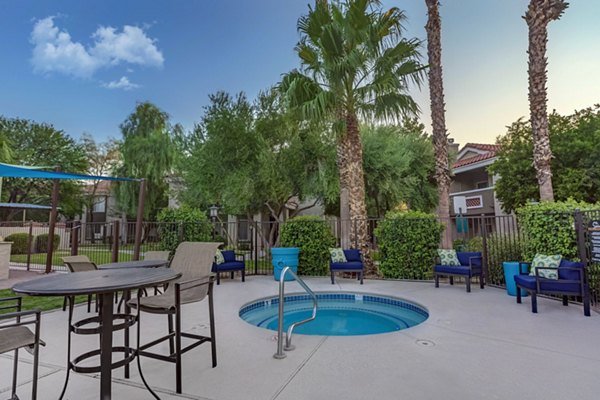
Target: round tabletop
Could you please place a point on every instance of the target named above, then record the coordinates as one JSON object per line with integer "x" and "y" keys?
{"x": 96, "y": 282}
{"x": 135, "y": 264}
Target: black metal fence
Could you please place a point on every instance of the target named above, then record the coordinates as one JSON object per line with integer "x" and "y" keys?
{"x": 499, "y": 238}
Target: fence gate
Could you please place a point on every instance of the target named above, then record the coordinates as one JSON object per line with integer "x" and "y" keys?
{"x": 587, "y": 226}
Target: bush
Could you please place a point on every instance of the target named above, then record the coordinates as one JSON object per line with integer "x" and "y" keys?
{"x": 473, "y": 244}
{"x": 19, "y": 245}
{"x": 408, "y": 244}
{"x": 549, "y": 228}
{"x": 313, "y": 237}
{"x": 184, "y": 224}
{"x": 501, "y": 247}
{"x": 41, "y": 243}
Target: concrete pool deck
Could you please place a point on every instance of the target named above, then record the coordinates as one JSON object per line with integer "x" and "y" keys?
{"x": 479, "y": 345}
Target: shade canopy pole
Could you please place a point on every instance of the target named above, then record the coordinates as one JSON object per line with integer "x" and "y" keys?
{"x": 53, "y": 214}
{"x": 138, "y": 222}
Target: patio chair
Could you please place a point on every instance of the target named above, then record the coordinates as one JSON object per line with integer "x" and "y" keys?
{"x": 157, "y": 255}
{"x": 572, "y": 281}
{"x": 470, "y": 266}
{"x": 16, "y": 335}
{"x": 79, "y": 264}
{"x": 354, "y": 263}
{"x": 233, "y": 262}
{"x": 193, "y": 260}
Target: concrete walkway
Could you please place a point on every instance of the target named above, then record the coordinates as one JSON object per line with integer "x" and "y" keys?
{"x": 476, "y": 346}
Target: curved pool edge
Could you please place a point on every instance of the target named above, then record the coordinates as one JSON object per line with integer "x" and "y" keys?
{"x": 407, "y": 305}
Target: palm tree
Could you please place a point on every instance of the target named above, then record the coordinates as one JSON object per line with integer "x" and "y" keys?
{"x": 438, "y": 116}
{"x": 355, "y": 64}
{"x": 538, "y": 15}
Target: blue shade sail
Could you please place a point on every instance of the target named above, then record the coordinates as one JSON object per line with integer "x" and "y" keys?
{"x": 21, "y": 171}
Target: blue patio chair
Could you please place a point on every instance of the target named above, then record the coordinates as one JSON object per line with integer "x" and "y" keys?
{"x": 572, "y": 281}
{"x": 233, "y": 262}
{"x": 470, "y": 266}
{"x": 354, "y": 263}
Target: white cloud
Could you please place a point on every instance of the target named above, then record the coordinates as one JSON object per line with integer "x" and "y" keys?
{"x": 122, "y": 83}
{"x": 55, "y": 51}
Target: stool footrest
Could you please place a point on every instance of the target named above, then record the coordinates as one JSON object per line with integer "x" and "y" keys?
{"x": 129, "y": 357}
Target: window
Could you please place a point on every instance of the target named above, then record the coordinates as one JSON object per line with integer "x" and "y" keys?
{"x": 482, "y": 185}
{"x": 99, "y": 205}
{"x": 474, "y": 202}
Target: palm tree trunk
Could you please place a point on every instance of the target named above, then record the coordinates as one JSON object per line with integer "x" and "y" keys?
{"x": 438, "y": 117}
{"x": 352, "y": 178}
{"x": 343, "y": 155}
{"x": 538, "y": 15}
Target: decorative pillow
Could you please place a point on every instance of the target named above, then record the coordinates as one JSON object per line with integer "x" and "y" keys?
{"x": 448, "y": 257}
{"x": 337, "y": 255}
{"x": 219, "y": 259}
{"x": 548, "y": 265}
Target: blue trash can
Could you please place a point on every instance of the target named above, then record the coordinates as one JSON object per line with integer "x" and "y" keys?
{"x": 284, "y": 257}
{"x": 511, "y": 268}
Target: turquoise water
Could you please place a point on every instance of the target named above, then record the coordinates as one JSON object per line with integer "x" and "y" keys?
{"x": 338, "y": 314}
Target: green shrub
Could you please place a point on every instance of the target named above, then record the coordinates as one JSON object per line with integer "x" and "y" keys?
{"x": 408, "y": 244}
{"x": 314, "y": 238}
{"x": 19, "y": 245}
{"x": 549, "y": 228}
{"x": 41, "y": 243}
{"x": 501, "y": 247}
{"x": 184, "y": 224}
{"x": 473, "y": 244}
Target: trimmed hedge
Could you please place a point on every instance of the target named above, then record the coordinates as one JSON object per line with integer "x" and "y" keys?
{"x": 41, "y": 243}
{"x": 549, "y": 228}
{"x": 19, "y": 240}
{"x": 408, "y": 243}
{"x": 184, "y": 224}
{"x": 314, "y": 238}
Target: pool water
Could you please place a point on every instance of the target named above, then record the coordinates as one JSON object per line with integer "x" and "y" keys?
{"x": 338, "y": 314}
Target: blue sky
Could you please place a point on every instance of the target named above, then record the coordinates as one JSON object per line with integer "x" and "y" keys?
{"x": 84, "y": 69}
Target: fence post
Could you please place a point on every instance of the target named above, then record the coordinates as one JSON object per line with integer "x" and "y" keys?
{"x": 75, "y": 238}
{"x": 484, "y": 254}
{"x": 180, "y": 233}
{"x": 29, "y": 242}
{"x": 115, "y": 241}
{"x": 580, "y": 233}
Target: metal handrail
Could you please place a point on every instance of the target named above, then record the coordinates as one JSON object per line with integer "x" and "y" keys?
{"x": 288, "y": 337}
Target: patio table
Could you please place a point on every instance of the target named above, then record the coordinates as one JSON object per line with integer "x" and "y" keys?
{"x": 135, "y": 264}
{"x": 103, "y": 283}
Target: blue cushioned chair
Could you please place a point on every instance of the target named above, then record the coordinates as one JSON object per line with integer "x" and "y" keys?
{"x": 470, "y": 266}
{"x": 572, "y": 281}
{"x": 354, "y": 263}
{"x": 232, "y": 263}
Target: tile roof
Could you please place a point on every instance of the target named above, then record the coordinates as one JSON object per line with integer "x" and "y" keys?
{"x": 491, "y": 150}
{"x": 483, "y": 146}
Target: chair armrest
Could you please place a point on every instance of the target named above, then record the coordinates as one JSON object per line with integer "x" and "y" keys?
{"x": 195, "y": 282}
{"x": 17, "y": 306}
{"x": 18, "y": 315}
{"x": 581, "y": 272}
{"x": 11, "y": 298}
{"x": 242, "y": 255}
{"x": 521, "y": 263}
{"x": 475, "y": 258}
